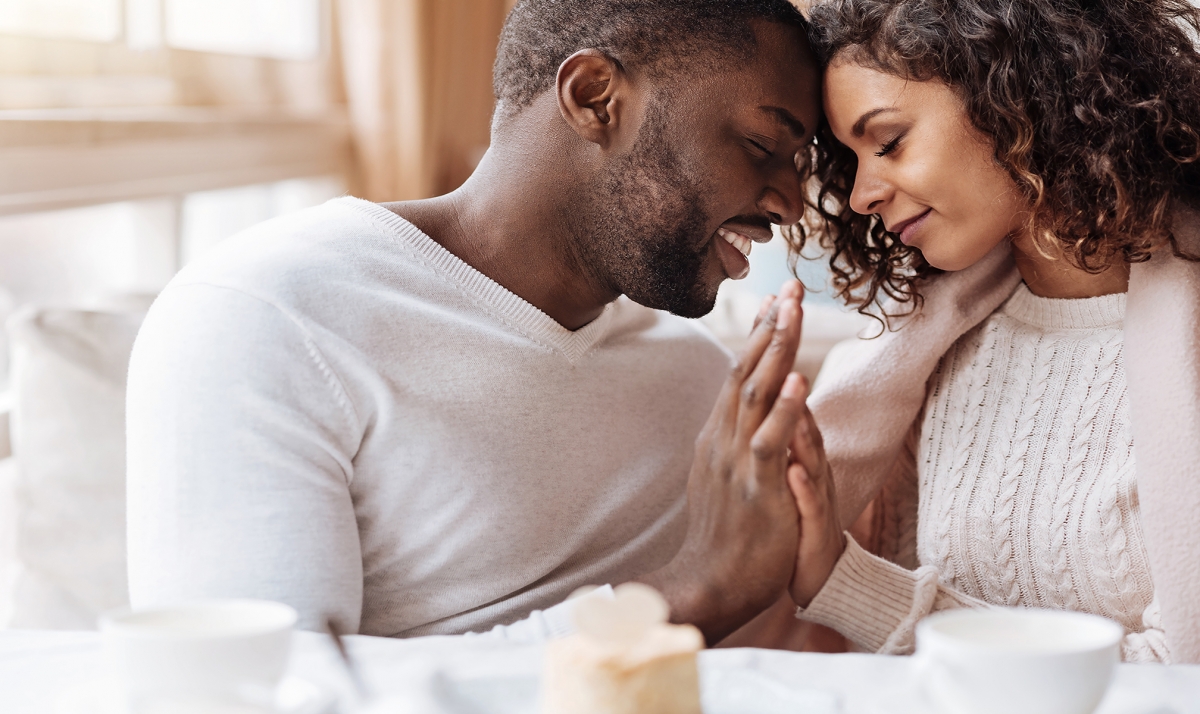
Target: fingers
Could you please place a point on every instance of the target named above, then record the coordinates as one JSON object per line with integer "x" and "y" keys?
{"x": 726, "y": 412}
{"x": 769, "y": 445}
{"x": 763, "y": 309}
{"x": 809, "y": 476}
{"x": 756, "y": 344}
{"x": 760, "y": 388}
{"x": 814, "y": 504}
{"x": 807, "y": 447}
{"x": 807, "y": 499}
{"x": 764, "y": 329}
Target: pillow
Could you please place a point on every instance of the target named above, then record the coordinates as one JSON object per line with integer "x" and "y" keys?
{"x": 68, "y": 438}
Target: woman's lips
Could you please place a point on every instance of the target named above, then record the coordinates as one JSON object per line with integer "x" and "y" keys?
{"x": 908, "y": 229}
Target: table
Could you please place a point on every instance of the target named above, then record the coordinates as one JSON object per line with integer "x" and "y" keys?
{"x": 38, "y": 667}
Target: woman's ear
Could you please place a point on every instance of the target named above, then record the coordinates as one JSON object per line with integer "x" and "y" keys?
{"x": 591, "y": 95}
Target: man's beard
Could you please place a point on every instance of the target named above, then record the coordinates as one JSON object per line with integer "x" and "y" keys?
{"x": 646, "y": 227}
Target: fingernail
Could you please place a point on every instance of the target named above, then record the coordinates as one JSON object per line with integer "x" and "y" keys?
{"x": 791, "y": 386}
{"x": 787, "y": 313}
{"x": 790, "y": 289}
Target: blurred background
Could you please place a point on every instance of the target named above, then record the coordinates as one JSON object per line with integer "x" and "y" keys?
{"x": 134, "y": 136}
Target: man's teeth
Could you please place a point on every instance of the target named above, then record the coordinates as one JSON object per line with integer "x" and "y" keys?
{"x": 737, "y": 240}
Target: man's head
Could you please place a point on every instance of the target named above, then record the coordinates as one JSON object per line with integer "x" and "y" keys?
{"x": 687, "y": 118}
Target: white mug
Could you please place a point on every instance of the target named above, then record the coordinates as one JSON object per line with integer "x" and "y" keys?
{"x": 213, "y": 654}
{"x": 1005, "y": 660}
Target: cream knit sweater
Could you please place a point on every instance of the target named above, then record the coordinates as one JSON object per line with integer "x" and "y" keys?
{"x": 1025, "y": 472}
{"x": 869, "y": 402}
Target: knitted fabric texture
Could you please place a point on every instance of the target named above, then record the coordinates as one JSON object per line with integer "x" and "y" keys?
{"x": 1027, "y": 496}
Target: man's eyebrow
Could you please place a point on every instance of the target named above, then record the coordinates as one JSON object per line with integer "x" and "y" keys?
{"x": 860, "y": 126}
{"x": 785, "y": 119}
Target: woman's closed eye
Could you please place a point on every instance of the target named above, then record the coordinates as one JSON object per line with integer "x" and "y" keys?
{"x": 890, "y": 146}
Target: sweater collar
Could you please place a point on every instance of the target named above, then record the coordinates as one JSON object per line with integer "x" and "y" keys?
{"x": 509, "y": 307}
{"x": 1092, "y": 313}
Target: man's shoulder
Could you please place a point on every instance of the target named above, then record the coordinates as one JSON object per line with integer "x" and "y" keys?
{"x": 318, "y": 242}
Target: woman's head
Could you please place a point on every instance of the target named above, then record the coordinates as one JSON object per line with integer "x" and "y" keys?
{"x": 922, "y": 168}
{"x": 1075, "y": 123}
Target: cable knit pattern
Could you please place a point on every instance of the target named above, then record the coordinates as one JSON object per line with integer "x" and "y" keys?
{"x": 1025, "y": 474}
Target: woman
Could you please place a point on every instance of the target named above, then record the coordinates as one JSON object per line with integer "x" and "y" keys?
{"x": 1030, "y": 435}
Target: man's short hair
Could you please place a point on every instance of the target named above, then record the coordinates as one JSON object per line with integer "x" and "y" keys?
{"x": 657, "y": 36}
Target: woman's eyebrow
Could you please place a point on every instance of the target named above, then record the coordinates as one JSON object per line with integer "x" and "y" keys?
{"x": 860, "y": 126}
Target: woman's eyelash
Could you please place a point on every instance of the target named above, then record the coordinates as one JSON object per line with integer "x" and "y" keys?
{"x": 889, "y": 147}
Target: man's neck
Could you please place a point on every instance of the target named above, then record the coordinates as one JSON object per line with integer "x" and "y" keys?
{"x": 512, "y": 226}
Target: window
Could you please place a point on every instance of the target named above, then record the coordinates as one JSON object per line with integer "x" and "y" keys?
{"x": 137, "y": 134}
{"x": 284, "y": 29}
{"x": 92, "y": 20}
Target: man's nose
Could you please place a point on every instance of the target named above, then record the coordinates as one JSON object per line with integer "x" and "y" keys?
{"x": 783, "y": 199}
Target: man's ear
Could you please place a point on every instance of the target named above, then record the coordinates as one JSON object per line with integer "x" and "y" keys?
{"x": 592, "y": 90}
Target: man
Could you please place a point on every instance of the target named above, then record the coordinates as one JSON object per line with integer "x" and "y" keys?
{"x": 437, "y": 416}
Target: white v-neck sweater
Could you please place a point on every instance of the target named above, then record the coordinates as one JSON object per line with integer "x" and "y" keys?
{"x": 1025, "y": 473}
{"x": 333, "y": 411}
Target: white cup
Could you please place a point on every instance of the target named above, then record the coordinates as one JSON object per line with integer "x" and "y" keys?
{"x": 1005, "y": 660}
{"x": 211, "y": 655}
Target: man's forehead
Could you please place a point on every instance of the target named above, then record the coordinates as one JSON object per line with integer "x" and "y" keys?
{"x": 785, "y": 119}
{"x": 779, "y": 84}
{"x": 784, "y": 82}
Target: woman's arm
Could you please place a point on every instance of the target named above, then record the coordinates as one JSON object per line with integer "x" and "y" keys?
{"x": 874, "y": 602}
{"x": 877, "y": 604}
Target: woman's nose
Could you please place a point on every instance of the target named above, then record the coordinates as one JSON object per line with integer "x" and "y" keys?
{"x": 870, "y": 193}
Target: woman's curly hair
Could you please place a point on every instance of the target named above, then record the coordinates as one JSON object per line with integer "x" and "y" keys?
{"x": 1093, "y": 107}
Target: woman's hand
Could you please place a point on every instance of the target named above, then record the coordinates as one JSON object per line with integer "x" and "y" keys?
{"x": 741, "y": 541}
{"x": 822, "y": 541}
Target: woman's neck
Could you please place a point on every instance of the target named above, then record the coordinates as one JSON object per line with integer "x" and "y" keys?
{"x": 1054, "y": 276}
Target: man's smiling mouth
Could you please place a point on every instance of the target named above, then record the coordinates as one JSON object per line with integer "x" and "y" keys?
{"x": 737, "y": 240}
{"x": 740, "y": 234}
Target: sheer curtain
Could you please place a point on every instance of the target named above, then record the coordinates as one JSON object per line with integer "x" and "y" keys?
{"x": 417, "y": 77}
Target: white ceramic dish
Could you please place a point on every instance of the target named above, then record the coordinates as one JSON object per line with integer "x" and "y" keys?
{"x": 1004, "y": 660}
{"x": 218, "y": 651}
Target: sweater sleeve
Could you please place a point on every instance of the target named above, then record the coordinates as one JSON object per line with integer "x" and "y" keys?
{"x": 877, "y": 604}
{"x": 1149, "y": 645}
{"x": 240, "y": 442}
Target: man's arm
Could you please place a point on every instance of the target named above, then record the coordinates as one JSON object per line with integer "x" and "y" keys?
{"x": 239, "y": 443}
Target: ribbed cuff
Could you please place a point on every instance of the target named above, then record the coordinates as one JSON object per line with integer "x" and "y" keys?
{"x": 866, "y": 598}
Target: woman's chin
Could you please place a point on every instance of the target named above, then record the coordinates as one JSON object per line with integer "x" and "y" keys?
{"x": 955, "y": 260}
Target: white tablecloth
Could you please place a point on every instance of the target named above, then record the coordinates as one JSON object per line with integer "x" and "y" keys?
{"x": 38, "y": 670}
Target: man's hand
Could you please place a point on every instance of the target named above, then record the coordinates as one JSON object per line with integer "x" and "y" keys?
{"x": 743, "y": 528}
{"x": 822, "y": 541}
